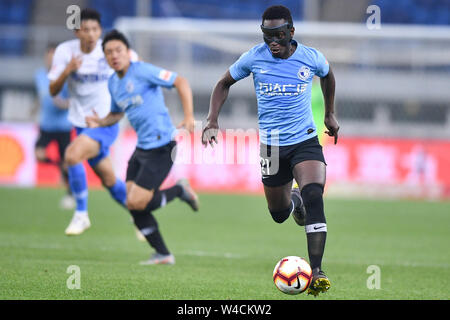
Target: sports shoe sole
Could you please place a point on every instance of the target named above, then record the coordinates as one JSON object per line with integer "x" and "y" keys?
{"x": 163, "y": 262}
{"x": 193, "y": 202}
{"x": 76, "y": 233}
{"x": 320, "y": 285}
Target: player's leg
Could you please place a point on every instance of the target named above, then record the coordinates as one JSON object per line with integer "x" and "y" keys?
{"x": 140, "y": 196}
{"x": 116, "y": 187}
{"x": 42, "y": 142}
{"x": 101, "y": 162}
{"x": 80, "y": 149}
{"x": 147, "y": 224}
{"x": 63, "y": 140}
{"x": 310, "y": 176}
{"x": 279, "y": 201}
{"x": 277, "y": 185}
{"x": 155, "y": 167}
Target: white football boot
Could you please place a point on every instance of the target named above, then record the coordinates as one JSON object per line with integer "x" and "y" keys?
{"x": 80, "y": 222}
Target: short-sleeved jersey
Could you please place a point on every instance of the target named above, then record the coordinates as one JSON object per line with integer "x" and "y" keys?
{"x": 138, "y": 93}
{"x": 51, "y": 118}
{"x": 88, "y": 86}
{"x": 283, "y": 91}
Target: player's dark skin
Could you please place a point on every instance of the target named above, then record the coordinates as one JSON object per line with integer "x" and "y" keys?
{"x": 306, "y": 172}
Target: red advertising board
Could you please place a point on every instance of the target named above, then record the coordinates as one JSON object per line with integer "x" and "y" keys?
{"x": 355, "y": 166}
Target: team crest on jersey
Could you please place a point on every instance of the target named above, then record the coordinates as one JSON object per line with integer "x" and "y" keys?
{"x": 129, "y": 86}
{"x": 304, "y": 73}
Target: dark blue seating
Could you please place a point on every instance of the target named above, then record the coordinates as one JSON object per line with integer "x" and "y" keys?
{"x": 431, "y": 12}
{"x": 14, "y": 12}
{"x": 111, "y": 9}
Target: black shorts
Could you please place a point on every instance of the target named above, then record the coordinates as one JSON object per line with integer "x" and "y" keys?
{"x": 149, "y": 168}
{"x": 276, "y": 167}
{"x": 62, "y": 138}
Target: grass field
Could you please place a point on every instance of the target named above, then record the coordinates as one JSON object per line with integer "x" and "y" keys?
{"x": 225, "y": 251}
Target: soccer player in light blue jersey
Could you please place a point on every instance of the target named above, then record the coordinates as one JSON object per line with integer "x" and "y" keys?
{"x": 136, "y": 90}
{"x": 282, "y": 71}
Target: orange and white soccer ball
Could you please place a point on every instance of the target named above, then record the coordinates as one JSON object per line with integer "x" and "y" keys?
{"x": 292, "y": 275}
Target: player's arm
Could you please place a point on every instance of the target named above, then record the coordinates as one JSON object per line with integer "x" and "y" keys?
{"x": 60, "y": 102}
{"x": 112, "y": 118}
{"x": 185, "y": 93}
{"x": 218, "y": 98}
{"x": 328, "y": 85}
{"x": 57, "y": 85}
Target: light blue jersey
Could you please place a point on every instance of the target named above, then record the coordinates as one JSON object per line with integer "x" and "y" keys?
{"x": 283, "y": 91}
{"x": 140, "y": 96}
{"x": 52, "y": 118}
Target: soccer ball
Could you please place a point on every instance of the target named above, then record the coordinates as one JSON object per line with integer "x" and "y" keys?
{"x": 292, "y": 275}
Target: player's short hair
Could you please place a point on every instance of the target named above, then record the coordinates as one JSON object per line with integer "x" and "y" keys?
{"x": 115, "y": 35}
{"x": 278, "y": 12}
{"x": 90, "y": 14}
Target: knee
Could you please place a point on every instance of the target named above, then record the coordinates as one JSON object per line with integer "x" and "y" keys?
{"x": 136, "y": 203}
{"x": 311, "y": 193}
{"x": 108, "y": 180}
{"x": 280, "y": 216}
{"x": 70, "y": 157}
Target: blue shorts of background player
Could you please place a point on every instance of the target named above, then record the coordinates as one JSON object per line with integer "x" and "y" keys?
{"x": 105, "y": 136}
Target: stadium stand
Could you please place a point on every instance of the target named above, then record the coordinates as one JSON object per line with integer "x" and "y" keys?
{"x": 12, "y": 13}
{"x": 435, "y": 12}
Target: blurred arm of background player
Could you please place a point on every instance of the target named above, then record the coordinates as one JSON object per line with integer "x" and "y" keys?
{"x": 95, "y": 121}
{"x": 57, "y": 85}
{"x": 328, "y": 85}
{"x": 185, "y": 93}
{"x": 61, "y": 103}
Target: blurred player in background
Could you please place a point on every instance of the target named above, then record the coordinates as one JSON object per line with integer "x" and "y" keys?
{"x": 81, "y": 64}
{"x": 136, "y": 91}
{"x": 53, "y": 123}
{"x": 282, "y": 72}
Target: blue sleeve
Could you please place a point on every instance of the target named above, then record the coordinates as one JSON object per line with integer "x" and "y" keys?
{"x": 38, "y": 83}
{"x": 114, "y": 107}
{"x": 242, "y": 67}
{"x": 322, "y": 66}
{"x": 156, "y": 75}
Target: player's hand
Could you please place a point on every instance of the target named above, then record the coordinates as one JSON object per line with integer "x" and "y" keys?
{"x": 74, "y": 63}
{"x": 188, "y": 123}
{"x": 93, "y": 121}
{"x": 209, "y": 133}
{"x": 332, "y": 125}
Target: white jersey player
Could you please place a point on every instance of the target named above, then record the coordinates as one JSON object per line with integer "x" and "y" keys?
{"x": 81, "y": 63}
{"x": 88, "y": 86}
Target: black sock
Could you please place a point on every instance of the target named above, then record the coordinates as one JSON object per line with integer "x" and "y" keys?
{"x": 147, "y": 225}
{"x": 316, "y": 246}
{"x": 162, "y": 197}
{"x": 315, "y": 223}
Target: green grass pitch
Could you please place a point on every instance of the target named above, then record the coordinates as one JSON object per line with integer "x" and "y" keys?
{"x": 225, "y": 251}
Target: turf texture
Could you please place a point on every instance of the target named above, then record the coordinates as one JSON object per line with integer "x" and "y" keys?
{"x": 227, "y": 250}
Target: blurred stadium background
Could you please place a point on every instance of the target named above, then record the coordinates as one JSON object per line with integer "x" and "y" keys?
{"x": 392, "y": 96}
